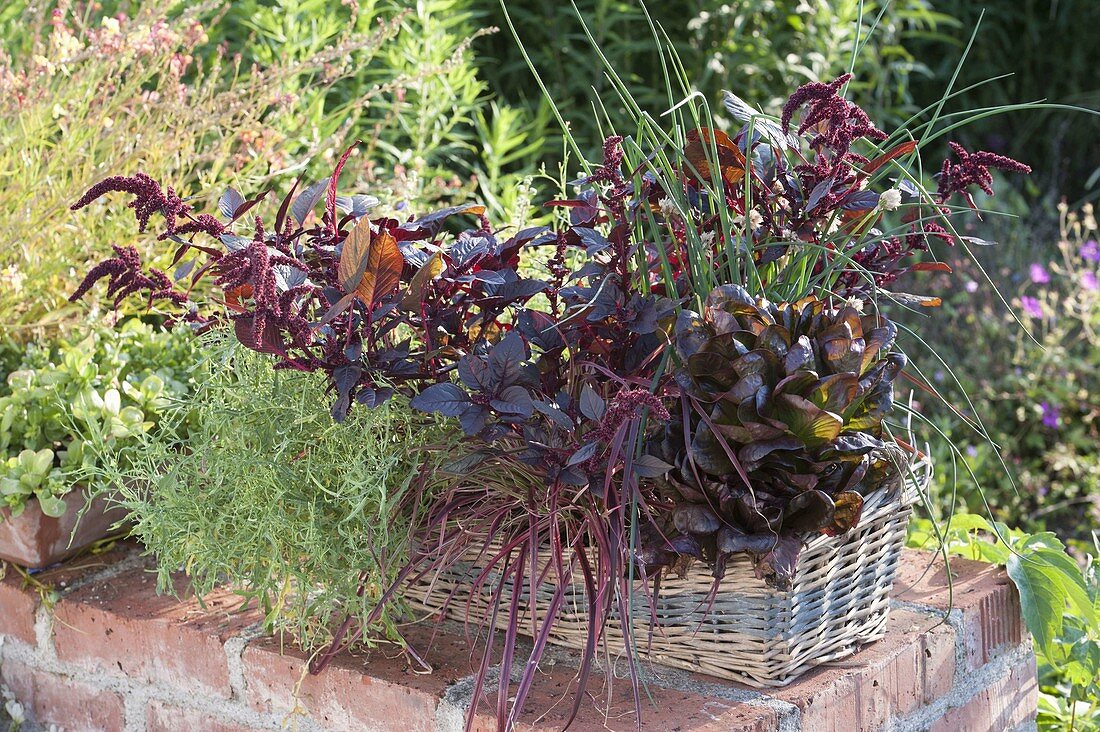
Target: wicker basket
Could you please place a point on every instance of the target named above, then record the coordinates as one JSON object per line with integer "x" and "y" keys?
{"x": 751, "y": 633}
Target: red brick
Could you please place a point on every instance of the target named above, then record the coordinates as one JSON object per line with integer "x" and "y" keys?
{"x": 161, "y": 717}
{"x": 1005, "y": 704}
{"x": 380, "y": 692}
{"x": 121, "y": 626}
{"x": 937, "y": 663}
{"x": 71, "y": 704}
{"x": 17, "y": 607}
{"x": 612, "y": 708}
{"x": 984, "y": 595}
{"x": 885, "y": 680}
{"x": 351, "y": 693}
{"x": 62, "y": 577}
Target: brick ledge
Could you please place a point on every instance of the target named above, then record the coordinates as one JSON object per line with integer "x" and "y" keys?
{"x": 112, "y": 655}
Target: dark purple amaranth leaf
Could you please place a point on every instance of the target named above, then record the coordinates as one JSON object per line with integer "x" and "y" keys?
{"x": 695, "y": 519}
{"x": 374, "y": 397}
{"x": 344, "y": 379}
{"x": 357, "y": 206}
{"x": 591, "y": 404}
{"x": 732, "y": 540}
{"x": 229, "y": 202}
{"x": 514, "y": 400}
{"x": 777, "y": 568}
{"x": 307, "y": 200}
{"x": 444, "y": 398}
{"x": 808, "y": 512}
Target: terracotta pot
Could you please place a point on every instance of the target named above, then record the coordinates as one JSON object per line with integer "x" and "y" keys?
{"x": 35, "y": 540}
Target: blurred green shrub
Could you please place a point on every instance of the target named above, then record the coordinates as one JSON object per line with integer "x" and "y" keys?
{"x": 1049, "y": 48}
{"x": 1038, "y": 396}
{"x": 759, "y": 49}
{"x": 221, "y": 94}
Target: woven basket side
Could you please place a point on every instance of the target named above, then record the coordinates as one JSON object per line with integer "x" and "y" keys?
{"x": 747, "y": 631}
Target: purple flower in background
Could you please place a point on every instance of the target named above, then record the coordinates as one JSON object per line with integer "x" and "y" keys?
{"x": 971, "y": 286}
{"x": 1052, "y": 414}
{"x": 1039, "y": 274}
{"x": 1031, "y": 306}
{"x": 971, "y": 451}
{"x": 1088, "y": 281}
{"x": 1090, "y": 251}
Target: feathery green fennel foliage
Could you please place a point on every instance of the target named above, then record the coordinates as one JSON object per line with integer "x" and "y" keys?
{"x": 297, "y": 511}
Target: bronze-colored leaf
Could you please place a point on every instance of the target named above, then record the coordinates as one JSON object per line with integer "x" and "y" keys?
{"x": 428, "y": 272}
{"x": 903, "y": 149}
{"x": 698, "y": 152}
{"x": 848, "y": 507}
{"x": 370, "y": 266}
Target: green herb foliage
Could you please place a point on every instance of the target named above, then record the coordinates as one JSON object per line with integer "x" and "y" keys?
{"x": 250, "y": 479}
{"x": 1060, "y": 603}
{"x": 110, "y": 385}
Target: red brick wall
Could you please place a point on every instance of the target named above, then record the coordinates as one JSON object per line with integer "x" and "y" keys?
{"x": 110, "y": 654}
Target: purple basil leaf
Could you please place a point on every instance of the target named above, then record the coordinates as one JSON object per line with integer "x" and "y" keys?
{"x": 539, "y": 329}
{"x": 819, "y": 192}
{"x": 433, "y": 222}
{"x": 344, "y": 378}
{"x": 592, "y": 240}
{"x": 489, "y": 277}
{"x": 908, "y": 189}
{"x": 233, "y": 242}
{"x": 468, "y": 249}
{"x": 534, "y": 236}
{"x": 357, "y": 205}
{"x": 586, "y": 452}
{"x": 228, "y": 204}
{"x": 514, "y": 400}
{"x": 505, "y": 360}
{"x": 446, "y": 399}
{"x": 287, "y": 277}
{"x": 307, "y": 200}
{"x": 372, "y": 398}
{"x": 592, "y": 404}
{"x": 353, "y": 351}
{"x": 183, "y": 270}
{"x": 551, "y": 410}
{"x": 473, "y": 419}
{"x": 860, "y": 200}
{"x": 650, "y": 466}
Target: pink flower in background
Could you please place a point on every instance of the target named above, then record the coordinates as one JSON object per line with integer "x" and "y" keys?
{"x": 1039, "y": 274}
{"x": 1052, "y": 414}
{"x": 1088, "y": 281}
{"x": 972, "y": 286}
{"x": 1032, "y": 306}
{"x": 1090, "y": 251}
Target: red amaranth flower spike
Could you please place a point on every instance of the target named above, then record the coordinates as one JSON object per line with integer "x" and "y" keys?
{"x": 126, "y": 277}
{"x": 149, "y": 198}
{"x": 972, "y": 169}
{"x": 841, "y": 122}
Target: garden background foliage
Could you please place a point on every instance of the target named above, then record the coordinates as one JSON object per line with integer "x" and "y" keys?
{"x": 240, "y": 94}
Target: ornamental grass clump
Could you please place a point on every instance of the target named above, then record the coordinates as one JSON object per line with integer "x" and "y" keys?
{"x": 704, "y": 369}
